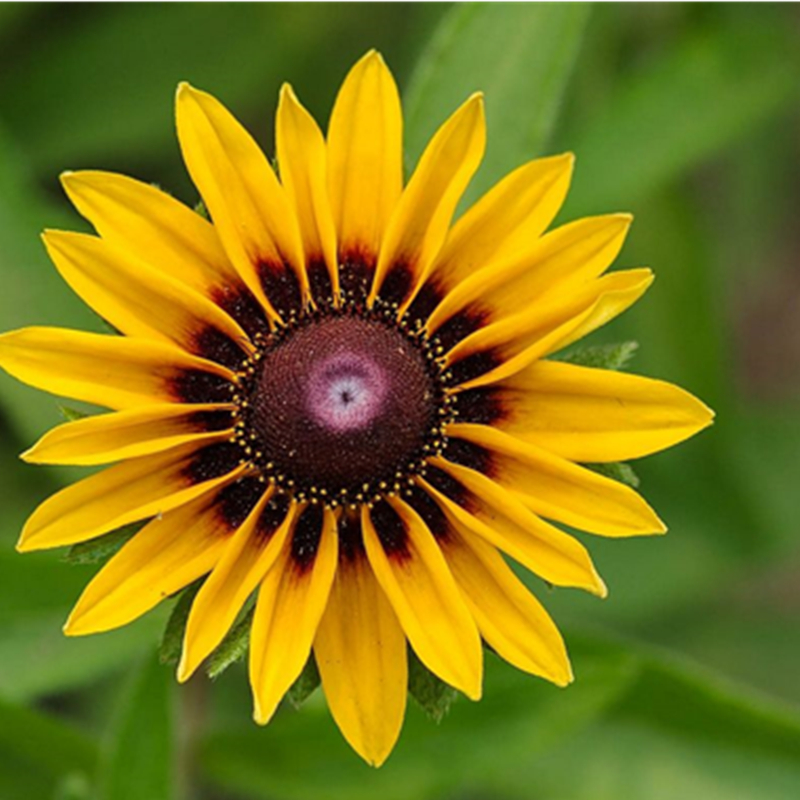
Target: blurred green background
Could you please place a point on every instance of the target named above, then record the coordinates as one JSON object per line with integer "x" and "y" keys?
{"x": 687, "y": 676}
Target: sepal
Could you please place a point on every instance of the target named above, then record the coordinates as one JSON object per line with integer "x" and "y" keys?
{"x": 431, "y": 693}
{"x": 602, "y": 356}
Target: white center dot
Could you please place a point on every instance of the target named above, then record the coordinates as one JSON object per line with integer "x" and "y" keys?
{"x": 346, "y": 392}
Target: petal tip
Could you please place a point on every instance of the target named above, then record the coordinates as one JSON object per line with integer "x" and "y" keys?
{"x": 648, "y": 276}
{"x": 564, "y": 163}
{"x": 707, "y": 415}
{"x": 599, "y": 589}
{"x": 475, "y": 693}
{"x": 29, "y": 455}
{"x": 260, "y": 715}
{"x": 378, "y": 758}
{"x": 185, "y": 669}
{"x": 71, "y": 627}
{"x": 372, "y": 59}
{"x": 185, "y": 91}
{"x": 50, "y": 236}
{"x": 472, "y": 686}
{"x": 73, "y": 180}
{"x": 563, "y": 678}
{"x": 476, "y": 100}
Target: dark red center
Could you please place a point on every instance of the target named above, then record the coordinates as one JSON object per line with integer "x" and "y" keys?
{"x": 343, "y": 401}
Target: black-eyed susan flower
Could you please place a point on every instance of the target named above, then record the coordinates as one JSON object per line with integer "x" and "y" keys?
{"x": 335, "y": 403}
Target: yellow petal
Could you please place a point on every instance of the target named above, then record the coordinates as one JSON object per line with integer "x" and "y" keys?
{"x": 594, "y": 415}
{"x": 620, "y": 290}
{"x": 249, "y": 207}
{"x": 510, "y": 618}
{"x": 365, "y": 166}
{"x": 167, "y": 554}
{"x": 505, "y": 222}
{"x": 548, "y": 326}
{"x": 109, "y": 371}
{"x": 152, "y": 226}
{"x": 138, "y": 300}
{"x": 302, "y": 158}
{"x": 360, "y": 650}
{"x": 291, "y": 601}
{"x": 503, "y": 520}
{"x": 135, "y": 432}
{"x": 412, "y": 571}
{"x": 419, "y": 225}
{"x": 559, "y": 490}
{"x": 251, "y": 551}
{"x": 134, "y": 490}
{"x": 521, "y": 279}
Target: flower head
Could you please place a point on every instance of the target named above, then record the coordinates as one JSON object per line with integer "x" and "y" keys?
{"x": 333, "y": 399}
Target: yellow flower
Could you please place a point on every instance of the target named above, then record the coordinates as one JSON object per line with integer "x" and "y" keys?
{"x": 336, "y": 399}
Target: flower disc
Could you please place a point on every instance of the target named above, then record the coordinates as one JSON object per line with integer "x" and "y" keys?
{"x": 342, "y": 402}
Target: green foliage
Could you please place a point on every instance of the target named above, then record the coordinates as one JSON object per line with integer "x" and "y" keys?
{"x": 36, "y": 751}
{"x": 139, "y": 757}
{"x": 519, "y": 55}
{"x": 526, "y": 738}
{"x": 685, "y": 104}
{"x": 71, "y": 414}
{"x": 101, "y": 549}
{"x": 26, "y": 299}
{"x": 306, "y": 684}
{"x": 233, "y": 647}
{"x": 618, "y": 471}
{"x": 433, "y": 695}
{"x": 169, "y": 651}
{"x": 602, "y": 356}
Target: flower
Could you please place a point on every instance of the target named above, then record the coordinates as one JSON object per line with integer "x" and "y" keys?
{"x": 335, "y": 399}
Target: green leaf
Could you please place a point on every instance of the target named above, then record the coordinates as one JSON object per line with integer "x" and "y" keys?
{"x": 603, "y": 356}
{"x": 37, "y": 591}
{"x": 306, "y": 684}
{"x": 71, "y": 414}
{"x": 233, "y": 647}
{"x": 434, "y": 696}
{"x": 519, "y": 719}
{"x": 618, "y": 471}
{"x": 169, "y": 651}
{"x": 692, "y": 735}
{"x": 74, "y": 786}
{"x": 140, "y": 758}
{"x": 124, "y": 115}
{"x": 33, "y": 292}
{"x": 38, "y": 660}
{"x": 697, "y": 97}
{"x": 679, "y": 731}
{"x": 101, "y": 549}
{"x": 521, "y": 55}
{"x": 39, "y": 753}
{"x": 23, "y": 487}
